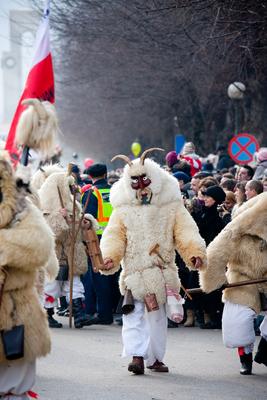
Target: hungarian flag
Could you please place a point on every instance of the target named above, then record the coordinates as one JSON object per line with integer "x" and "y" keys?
{"x": 40, "y": 80}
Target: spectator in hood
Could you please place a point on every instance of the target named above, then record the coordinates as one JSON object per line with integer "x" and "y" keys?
{"x": 261, "y": 164}
{"x": 189, "y": 154}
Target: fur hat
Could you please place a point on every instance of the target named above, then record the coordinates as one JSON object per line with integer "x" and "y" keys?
{"x": 216, "y": 192}
{"x": 262, "y": 154}
{"x": 171, "y": 158}
{"x": 188, "y": 148}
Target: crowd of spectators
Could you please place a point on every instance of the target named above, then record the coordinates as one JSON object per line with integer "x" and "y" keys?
{"x": 213, "y": 195}
{"x": 212, "y": 192}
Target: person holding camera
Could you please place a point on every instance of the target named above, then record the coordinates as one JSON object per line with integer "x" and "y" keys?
{"x": 225, "y": 209}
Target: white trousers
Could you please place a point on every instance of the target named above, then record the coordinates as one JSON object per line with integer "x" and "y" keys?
{"x": 54, "y": 290}
{"x": 17, "y": 378}
{"x": 238, "y": 326}
{"x": 144, "y": 334}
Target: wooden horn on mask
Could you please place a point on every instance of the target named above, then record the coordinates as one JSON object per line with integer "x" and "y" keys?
{"x": 146, "y": 152}
{"x": 122, "y": 157}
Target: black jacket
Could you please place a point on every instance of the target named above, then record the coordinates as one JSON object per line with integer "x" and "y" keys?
{"x": 209, "y": 223}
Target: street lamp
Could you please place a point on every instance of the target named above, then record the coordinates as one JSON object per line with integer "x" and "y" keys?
{"x": 236, "y": 92}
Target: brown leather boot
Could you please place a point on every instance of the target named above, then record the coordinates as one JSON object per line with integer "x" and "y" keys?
{"x": 137, "y": 366}
{"x": 158, "y": 366}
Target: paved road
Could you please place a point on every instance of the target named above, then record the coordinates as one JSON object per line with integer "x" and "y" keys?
{"x": 86, "y": 365}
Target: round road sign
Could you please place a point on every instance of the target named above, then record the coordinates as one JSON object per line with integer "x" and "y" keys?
{"x": 242, "y": 147}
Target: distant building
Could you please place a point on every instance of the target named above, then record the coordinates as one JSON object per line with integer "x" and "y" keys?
{"x": 17, "y": 28}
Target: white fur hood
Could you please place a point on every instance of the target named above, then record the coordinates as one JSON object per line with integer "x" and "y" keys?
{"x": 164, "y": 186}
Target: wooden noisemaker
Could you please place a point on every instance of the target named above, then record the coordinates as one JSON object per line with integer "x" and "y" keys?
{"x": 93, "y": 248}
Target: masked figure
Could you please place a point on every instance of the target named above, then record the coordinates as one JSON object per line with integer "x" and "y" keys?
{"x": 56, "y": 189}
{"x": 148, "y": 223}
{"x": 26, "y": 245}
{"x": 239, "y": 253}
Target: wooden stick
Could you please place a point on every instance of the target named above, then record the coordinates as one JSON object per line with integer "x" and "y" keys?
{"x": 186, "y": 292}
{"x": 230, "y": 285}
{"x": 62, "y": 205}
{"x": 72, "y": 257}
{"x": 60, "y": 197}
{"x": 82, "y": 216}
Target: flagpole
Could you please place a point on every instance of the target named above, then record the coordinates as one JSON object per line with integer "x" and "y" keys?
{"x": 40, "y": 79}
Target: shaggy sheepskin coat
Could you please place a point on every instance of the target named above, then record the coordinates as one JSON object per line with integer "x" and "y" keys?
{"x": 134, "y": 229}
{"x": 239, "y": 253}
{"x": 50, "y": 205}
{"x": 43, "y": 173}
{"x": 25, "y": 246}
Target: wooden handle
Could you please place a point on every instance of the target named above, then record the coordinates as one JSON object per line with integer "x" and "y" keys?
{"x": 60, "y": 197}
{"x": 230, "y": 285}
{"x": 25, "y": 156}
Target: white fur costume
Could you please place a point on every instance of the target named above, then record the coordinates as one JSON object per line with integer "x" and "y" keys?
{"x": 134, "y": 229}
{"x": 54, "y": 179}
{"x": 27, "y": 244}
{"x": 241, "y": 248}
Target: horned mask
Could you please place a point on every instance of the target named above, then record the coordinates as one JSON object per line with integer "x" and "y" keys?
{"x": 140, "y": 178}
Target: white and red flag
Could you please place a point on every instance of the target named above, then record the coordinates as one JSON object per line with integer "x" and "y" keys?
{"x": 40, "y": 80}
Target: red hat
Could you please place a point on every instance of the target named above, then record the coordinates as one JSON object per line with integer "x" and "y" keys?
{"x": 171, "y": 158}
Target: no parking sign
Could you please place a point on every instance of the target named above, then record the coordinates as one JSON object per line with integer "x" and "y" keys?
{"x": 242, "y": 147}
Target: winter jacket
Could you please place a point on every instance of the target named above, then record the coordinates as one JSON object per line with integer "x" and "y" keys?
{"x": 209, "y": 223}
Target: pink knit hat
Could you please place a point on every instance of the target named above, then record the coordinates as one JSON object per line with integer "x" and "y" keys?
{"x": 171, "y": 158}
{"x": 262, "y": 154}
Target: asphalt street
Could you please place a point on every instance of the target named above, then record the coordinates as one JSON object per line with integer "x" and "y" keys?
{"x": 86, "y": 364}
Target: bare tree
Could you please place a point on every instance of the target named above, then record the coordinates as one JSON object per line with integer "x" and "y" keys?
{"x": 125, "y": 69}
